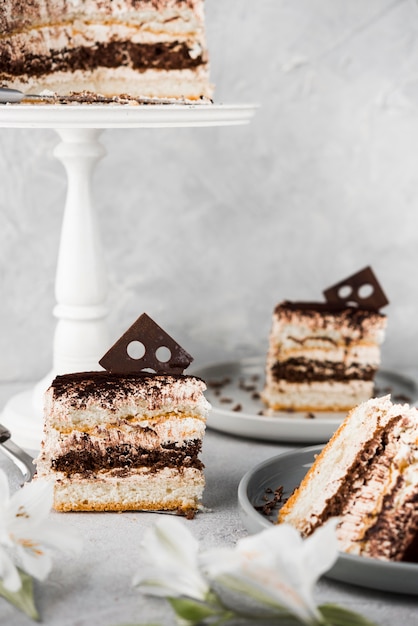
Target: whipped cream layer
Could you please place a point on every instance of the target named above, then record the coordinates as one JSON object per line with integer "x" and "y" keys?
{"x": 150, "y": 435}
{"x": 122, "y": 83}
{"x": 18, "y": 14}
{"x": 317, "y": 396}
{"x": 88, "y": 400}
{"x": 367, "y": 476}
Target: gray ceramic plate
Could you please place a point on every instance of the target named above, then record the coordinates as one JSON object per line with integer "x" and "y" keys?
{"x": 234, "y": 393}
{"x": 287, "y": 470}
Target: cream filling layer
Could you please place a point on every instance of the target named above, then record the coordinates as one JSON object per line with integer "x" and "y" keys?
{"x": 317, "y": 396}
{"x": 289, "y": 335}
{"x": 363, "y": 354}
{"x": 170, "y": 22}
{"x": 188, "y": 84}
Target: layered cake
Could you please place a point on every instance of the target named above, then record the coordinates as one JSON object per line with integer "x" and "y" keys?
{"x": 139, "y": 48}
{"x": 367, "y": 476}
{"x": 117, "y": 441}
{"x": 323, "y": 356}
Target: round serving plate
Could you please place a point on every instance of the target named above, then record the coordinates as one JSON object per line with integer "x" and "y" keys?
{"x": 286, "y": 471}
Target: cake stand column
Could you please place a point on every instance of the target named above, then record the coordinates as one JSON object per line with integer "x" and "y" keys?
{"x": 81, "y": 334}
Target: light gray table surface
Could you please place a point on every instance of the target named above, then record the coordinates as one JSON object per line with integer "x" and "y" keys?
{"x": 96, "y": 589}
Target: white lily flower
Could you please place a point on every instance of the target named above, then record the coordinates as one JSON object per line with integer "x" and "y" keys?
{"x": 8, "y": 572}
{"x": 170, "y": 562}
{"x": 25, "y": 530}
{"x": 275, "y": 569}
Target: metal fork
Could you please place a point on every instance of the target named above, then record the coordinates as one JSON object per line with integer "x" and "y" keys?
{"x": 14, "y": 96}
{"x": 22, "y": 459}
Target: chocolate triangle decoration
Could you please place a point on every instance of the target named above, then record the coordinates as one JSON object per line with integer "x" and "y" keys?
{"x": 152, "y": 340}
{"x": 361, "y": 289}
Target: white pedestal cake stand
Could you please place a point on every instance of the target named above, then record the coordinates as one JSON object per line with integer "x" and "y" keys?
{"x": 81, "y": 335}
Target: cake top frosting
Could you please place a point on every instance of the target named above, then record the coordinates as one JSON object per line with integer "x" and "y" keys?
{"x": 85, "y": 387}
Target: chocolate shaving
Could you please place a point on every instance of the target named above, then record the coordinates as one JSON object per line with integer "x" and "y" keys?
{"x": 245, "y": 387}
{"x": 402, "y": 398}
{"x": 270, "y": 503}
{"x": 349, "y": 291}
{"x": 146, "y": 332}
{"x": 218, "y": 384}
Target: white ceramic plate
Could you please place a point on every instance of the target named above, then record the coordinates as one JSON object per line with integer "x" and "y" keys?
{"x": 287, "y": 470}
{"x": 233, "y": 391}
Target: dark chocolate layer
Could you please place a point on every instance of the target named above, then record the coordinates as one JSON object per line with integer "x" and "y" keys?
{"x": 357, "y": 475}
{"x": 92, "y": 458}
{"x": 302, "y": 370}
{"x": 395, "y": 528}
{"x": 113, "y": 54}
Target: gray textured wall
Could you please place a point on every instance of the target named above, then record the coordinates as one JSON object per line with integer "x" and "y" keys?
{"x": 206, "y": 229}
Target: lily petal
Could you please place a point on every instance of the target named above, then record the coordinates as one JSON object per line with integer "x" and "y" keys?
{"x": 273, "y": 568}
{"x": 170, "y": 555}
{"x": 169, "y": 584}
{"x": 36, "y": 562}
{"x": 57, "y": 536}
{"x": 26, "y": 529}
{"x": 322, "y": 542}
{"x": 8, "y": 572}
{"x": 31, "y": 503}
{"x": 170, "y": 542}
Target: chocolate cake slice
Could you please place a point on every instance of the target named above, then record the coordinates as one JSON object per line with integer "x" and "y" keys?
{"x": 117, "y": 441}
{"x": 323, "y": 356}
{"x": 367, "y": 476}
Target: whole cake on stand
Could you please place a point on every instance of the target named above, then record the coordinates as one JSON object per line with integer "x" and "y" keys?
{"x": 135, "y": 48}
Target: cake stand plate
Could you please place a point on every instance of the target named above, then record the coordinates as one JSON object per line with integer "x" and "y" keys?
{"x": 81, "y": 335}
{"x": 124, "y": 115}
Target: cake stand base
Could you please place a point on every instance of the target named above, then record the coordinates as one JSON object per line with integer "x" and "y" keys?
{"x": 24, "y": 416}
